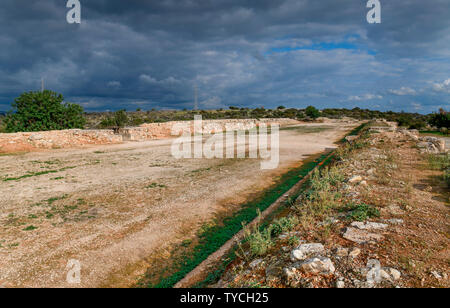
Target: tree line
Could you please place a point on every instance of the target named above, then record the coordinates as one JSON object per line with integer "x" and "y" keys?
{"x": 47, "y": 110}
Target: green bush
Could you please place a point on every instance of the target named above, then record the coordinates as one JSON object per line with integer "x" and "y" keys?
{"x": 441, "y": 119}
{"x": 312, "y": 112}
{"x": 447, "y": 176}
{"x": 42, "y": 111}
{"x": 119, "y": 119}
{"x": 361, "y": 212}
{"x": 260, "y": 241}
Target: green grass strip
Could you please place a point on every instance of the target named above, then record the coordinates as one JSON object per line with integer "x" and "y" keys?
{"x": 211, "y": 239}
{"x": 216, "y": 236}
{"x": 433, "y": 132}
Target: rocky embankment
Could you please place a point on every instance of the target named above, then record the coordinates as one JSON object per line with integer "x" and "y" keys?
{"x": 31, "y": 141}
{"x": 377, "y": 218}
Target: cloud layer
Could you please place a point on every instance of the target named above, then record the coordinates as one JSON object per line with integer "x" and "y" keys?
{"x": 150, "y": 54}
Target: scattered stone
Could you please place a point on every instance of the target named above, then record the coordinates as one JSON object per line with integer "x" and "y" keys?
{"x": 289, "y": 272}
{"x": 355, "y": 179}
{"x": 395, "y": 210}
{"x": 369, "y": 225}
{"x": 354, "y": 252}
{"x": 431, "y": 145}
{"x": 390, "y": 274}
{"x": 395, "y": 274}
{"x": 395, "y": 221}
{"x": 361, "y": 236}
{"x": 351, "y": 139}
{"x": 371, "y": 171}
{"x": 274, "y": 271}
{"x": 341, "y": 252}
{"x": 436, "y": 275}
{"x": 306, "y": 250}
{"x": 36, "y": 137}
{"x": 288, "y": 235}
{"x": 318, "y": 265}
{"x": 256, "y": 263}
{"x": 340, "y": 284}
{"x": 329, "y": 221}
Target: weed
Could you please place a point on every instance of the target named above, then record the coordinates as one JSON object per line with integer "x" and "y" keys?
{"x": 32, "y": 174}
{"x": 30, "y": 228}
{"x": 361, "y": 212}
{"x": 156, "y": 185}
{"x": 439, "y": 162}
{"x": 260, "y": 240}
{"x": 186, "y": 243}
{"x": 54, "y": 199}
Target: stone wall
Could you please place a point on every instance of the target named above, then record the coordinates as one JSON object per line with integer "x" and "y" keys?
{"x": 19, "y": 142}
{"x": 153, "y": 131}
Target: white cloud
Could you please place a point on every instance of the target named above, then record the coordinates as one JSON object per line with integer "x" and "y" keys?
{"x": 403, "y": 91}
{"x": 114, "y": 84}
{"x": 147, "y": 78}
{"x": 366, "y": 97}
{"x": 442, "y": 87}
{"x": 417, "y": 106}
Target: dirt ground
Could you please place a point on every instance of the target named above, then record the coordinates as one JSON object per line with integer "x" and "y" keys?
{"x": 411, "y": 240}
{"x": 110, "y": 207}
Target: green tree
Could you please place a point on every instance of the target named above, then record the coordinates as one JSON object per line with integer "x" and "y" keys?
{"x": 441, "y": 119}
{"x": 118, "y": 120}
{"x": 42, "y": 111}
{"x": 312, "y": 112}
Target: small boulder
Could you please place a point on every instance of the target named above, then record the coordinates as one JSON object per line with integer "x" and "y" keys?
{"x": 361, "y": 236}
{"x": 256, "y": 263}
{"x": 354, "y": 252}
{"x": 355, "y": 179}
{"x": 341, "y": 252}
{"x": 395, "y": 221}
{"x": 390, "y": 274}
{"x": 318, "y": 265}
{"x": 340, "y": 284}
{"x": 306, "y": 250}
{"x": 369, "y": 225}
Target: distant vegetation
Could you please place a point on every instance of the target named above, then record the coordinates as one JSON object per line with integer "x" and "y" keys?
{"x": 438, "y": 120}
{"x": 34, "y": 111}
{"x": 42, "y": 111}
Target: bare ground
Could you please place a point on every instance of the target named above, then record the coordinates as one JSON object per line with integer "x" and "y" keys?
{"x": 413, "y": 200}
{"x": 110, "y": 207}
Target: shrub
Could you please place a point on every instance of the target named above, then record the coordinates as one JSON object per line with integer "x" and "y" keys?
{"x": 260, "y": 241}
{"x": 441, "y": 119}
{"x": 447, "y": 176}
{"x": 119, "y": 119}
{"x": 283, "y": 224}
{"x": 312, "y": 112}
{"x": 439, "y": 161}
{"x": 361, "y": 212}
{"x": 42, "y": 111}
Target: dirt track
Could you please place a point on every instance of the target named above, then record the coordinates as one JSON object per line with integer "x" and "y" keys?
{"x": 110, "y": 207}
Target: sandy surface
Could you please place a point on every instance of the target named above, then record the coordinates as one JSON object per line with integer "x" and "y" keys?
{"x": 110, "y": 207}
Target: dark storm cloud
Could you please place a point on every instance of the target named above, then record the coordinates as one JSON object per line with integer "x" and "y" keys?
{"x": 130, "y": 54}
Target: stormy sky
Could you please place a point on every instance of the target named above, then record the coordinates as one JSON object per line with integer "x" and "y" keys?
{"x": 248, "y": 53}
